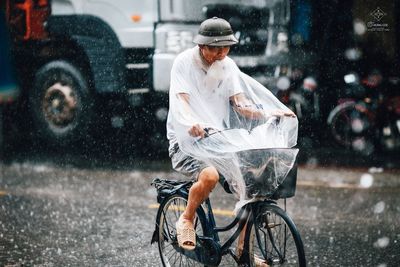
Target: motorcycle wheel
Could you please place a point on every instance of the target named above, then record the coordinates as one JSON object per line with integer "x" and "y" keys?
{"x": 352, "y": 126}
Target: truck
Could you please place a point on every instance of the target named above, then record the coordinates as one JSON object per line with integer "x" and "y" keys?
{"x": 83, "y": 63}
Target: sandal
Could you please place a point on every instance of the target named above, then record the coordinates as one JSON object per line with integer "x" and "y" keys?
{"x": 259, "y": 262}
{"x": 186, "y": 236}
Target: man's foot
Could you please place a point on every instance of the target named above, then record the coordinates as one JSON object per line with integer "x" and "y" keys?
{"x": 185, "y": 233}
{"x": 260, "y": 262}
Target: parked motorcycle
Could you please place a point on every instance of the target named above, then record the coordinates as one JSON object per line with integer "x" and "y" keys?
{"x": 300, "y": 93}
{"x": 367, "y": 118}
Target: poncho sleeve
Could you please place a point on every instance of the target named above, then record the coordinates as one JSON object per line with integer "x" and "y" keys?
{"x": 181, "y": 88}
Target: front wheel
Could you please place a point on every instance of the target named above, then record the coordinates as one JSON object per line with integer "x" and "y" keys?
{"x": 274, "y": 239}
{"x": 171, "y": 254}
{"x": 60, "y": 103}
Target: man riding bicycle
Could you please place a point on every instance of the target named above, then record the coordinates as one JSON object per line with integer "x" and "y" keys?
{"x": 206, "y": 88}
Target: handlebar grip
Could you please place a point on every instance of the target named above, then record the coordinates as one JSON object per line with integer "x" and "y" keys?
{"x": 207, "y": 130}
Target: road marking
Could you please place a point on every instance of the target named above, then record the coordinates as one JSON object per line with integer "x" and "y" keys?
{"x": 220, "y": 212}
{"x": 328, "y": 185}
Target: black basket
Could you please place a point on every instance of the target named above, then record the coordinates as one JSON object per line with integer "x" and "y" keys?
{"x": 287, "y": 189}
{"x": 267, "y": 184}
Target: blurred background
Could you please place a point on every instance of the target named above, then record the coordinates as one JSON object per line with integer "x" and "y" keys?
{"x": 89, "y": 76}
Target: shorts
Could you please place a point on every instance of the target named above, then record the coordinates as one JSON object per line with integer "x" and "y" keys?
{"x": 185, "y": 164}
{"x": 192, "y": 167}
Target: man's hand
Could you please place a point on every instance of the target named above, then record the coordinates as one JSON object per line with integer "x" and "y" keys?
{"x": 281, "y": 113}
{"x": 197, "y": 130}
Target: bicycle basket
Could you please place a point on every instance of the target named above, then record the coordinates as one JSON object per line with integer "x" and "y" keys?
{"x": 270, "y": 173}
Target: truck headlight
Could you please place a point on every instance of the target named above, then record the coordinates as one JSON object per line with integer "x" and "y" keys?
{"x": 178, "y": 41}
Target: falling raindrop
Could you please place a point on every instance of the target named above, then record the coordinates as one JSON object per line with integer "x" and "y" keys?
{"x": 382, "y": 242}
{"x": 366, "y": 180}
{"x": 379, "y": 207}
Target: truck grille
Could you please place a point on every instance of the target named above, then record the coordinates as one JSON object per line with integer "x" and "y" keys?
{"x": 249, "y": 24}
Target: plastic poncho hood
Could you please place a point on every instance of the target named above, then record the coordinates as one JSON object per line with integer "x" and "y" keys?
{"x": 241, "y": 144}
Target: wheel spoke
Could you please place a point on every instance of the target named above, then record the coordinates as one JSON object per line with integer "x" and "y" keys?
{"x": 272, "y": 235}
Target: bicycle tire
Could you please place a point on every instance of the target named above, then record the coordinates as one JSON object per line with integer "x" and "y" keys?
{"x": 169, "y": 212}
{"x": 274, "y": 238}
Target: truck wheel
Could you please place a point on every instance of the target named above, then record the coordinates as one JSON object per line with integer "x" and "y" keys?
{"x": 59, "y": 102}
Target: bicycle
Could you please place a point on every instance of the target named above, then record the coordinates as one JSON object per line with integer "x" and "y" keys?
{"x": 270, "y": 233}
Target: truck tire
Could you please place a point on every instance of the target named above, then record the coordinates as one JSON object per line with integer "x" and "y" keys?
{"x": 60, "y": 104}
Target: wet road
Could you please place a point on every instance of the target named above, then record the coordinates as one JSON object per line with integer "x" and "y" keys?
{"x": 67, "y": 214}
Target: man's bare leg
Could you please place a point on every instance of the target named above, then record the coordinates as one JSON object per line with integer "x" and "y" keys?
{"x": 200, "y": 190}
{"x": 259, "y": 262}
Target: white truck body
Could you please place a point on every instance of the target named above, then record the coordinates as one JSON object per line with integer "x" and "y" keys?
{"x": 166, "y": 26}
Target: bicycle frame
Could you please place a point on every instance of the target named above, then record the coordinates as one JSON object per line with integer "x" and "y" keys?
{"x": 211, "y": 231}
{"x": 242, "y": 219}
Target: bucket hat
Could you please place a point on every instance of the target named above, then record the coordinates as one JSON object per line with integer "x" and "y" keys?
{"x": 215, "y": 32}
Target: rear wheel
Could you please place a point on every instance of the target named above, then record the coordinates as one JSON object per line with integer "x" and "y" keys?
{"x": 167, "y": 241}
{"x": 274, "y": 239}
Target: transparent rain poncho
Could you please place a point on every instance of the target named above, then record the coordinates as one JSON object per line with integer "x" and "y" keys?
{"x": 237, "y": 113}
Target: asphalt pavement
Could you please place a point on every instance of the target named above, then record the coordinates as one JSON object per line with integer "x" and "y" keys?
{"x": 57, "y": 211}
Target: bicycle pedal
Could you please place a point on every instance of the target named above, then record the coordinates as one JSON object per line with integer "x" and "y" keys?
{"x": 271, "y": 225}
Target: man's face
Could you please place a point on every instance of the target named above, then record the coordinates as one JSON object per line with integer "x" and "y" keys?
{"x": 213, "y": 53}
